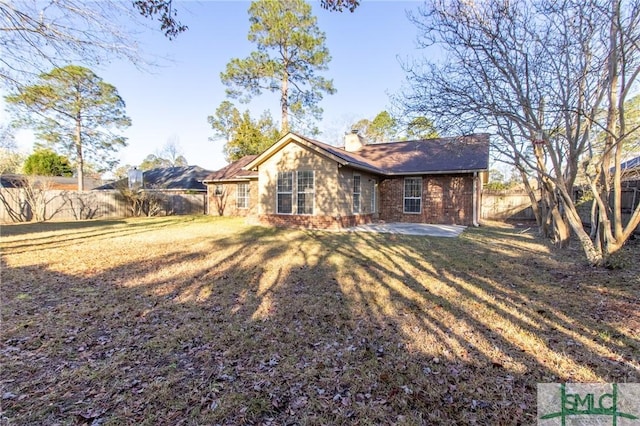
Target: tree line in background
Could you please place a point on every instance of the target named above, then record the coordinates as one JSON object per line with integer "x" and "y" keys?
{"x": 46, "y": 162}
{"x": 247, "y": 136}
{"x": 170, "y": 155}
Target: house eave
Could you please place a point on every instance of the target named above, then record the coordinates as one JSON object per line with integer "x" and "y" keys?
{"x": 362, "y": 168}
{"x": 435, "y": 172}
{"x": 242, "y": 179}
{"x": 173, "y": 190}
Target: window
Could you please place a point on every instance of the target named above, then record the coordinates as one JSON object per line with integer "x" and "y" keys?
{"x": 219, "y": 191}
{"x": 373, "y": 196}
{"x": 284, "y": 195}
{"x": 306, "y": 191}
{"x": 356, "y": 193}
{"x": 242, "y": 196}
{"x": 413, "y": 195}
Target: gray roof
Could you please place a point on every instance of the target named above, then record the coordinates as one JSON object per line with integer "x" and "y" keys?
{"x": 187, "y": 178}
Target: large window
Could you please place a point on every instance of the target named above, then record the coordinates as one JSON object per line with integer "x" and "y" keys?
{"x": 242, "y": 196}
{"x": 356, "y": 193}
{"x": 306, "y": 191}
{"x": 285, "y": 193}
{"x": 413, "y": 195}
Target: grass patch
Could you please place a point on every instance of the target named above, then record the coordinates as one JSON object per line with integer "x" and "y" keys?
{"x": 196, "y": 320}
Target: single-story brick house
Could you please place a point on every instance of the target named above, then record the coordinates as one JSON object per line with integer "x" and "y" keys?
{"x": 299, "y": 181}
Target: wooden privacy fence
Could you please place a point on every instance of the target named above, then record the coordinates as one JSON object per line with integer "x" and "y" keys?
{"x": 27, "y": 204}
{"x": 506, "y": 205}
{"x": 516, "y": 204}
{"x": 630, "y": 200}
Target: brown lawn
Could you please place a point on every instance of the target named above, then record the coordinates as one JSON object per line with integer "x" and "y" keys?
{"x": 195, "y": 320}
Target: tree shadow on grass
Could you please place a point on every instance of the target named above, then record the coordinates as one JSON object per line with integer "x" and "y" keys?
{"x": 267, "y": 326}
{"x": 60, "y": 235}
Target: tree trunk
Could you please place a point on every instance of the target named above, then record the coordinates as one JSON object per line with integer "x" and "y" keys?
{"x": 593, "y": 254}
{"x": 79, "y": 159}
{"x": 612, "y": 120}
{"x": 284, "y": 102}
{"x": 561, "y": 231}
{"x": 594, "y": 219}
{"x": 545, "y": 215}
{"x": 535, "y": 206}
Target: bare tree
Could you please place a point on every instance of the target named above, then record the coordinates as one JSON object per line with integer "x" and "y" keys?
{"x": 539, "y": 76}
{"x": 173, "y": 152}
{"x": 40, "y": 35}
{"x": 30, "y": 199}
{"x": 141, "y": 202}
{"x": 10, "y": 158}
{"x": 220, "y": 199}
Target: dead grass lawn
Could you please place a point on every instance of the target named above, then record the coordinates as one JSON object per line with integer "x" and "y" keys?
{"x": 195, "y": 320}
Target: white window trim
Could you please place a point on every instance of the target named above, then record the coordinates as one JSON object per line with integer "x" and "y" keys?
{"x": 312, "y": 193}
{"x": 374, "y": 186}
{"x": 353, "y": 189}
{"x": 245, "y": 197}
{"x": 291, "y": 192}
{"x": 404, "y": 193}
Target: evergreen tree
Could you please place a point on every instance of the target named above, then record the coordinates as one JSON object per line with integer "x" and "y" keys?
{"x": 73, "y": 109}
{"x": 45, "y": 162}
{"x": 290, "y": 51}
{"x": 243, "y": 135}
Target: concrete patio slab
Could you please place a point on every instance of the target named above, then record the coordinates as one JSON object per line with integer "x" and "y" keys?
{"x": 423, "y": 229}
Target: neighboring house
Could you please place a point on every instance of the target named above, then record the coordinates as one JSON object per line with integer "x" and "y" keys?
{"x": 177, "y": 190}
{"x": 303, "y": 182}
{"x": 186, "y": 179}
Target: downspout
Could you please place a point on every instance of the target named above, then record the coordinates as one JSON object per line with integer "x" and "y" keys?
{"x": 206, "y": 199}
{"x": 475, "y": 199}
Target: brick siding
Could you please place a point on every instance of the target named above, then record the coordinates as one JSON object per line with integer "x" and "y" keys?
{"x": 314, "y": 222}
{"x": 446, "y": 199}
{"x": 226, "y": 203}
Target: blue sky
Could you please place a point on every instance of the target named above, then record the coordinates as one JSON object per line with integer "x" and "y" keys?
{"x": 174, "y": 99}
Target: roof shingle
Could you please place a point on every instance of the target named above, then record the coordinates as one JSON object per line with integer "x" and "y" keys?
{"x": 453, "y": 154}
{"x": 234, "y": 171}
{"x": 187, "y": 178}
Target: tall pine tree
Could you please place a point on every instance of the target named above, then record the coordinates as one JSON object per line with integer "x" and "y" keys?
{"x": 76, "y": 112}
{"x": 290, "y": 51}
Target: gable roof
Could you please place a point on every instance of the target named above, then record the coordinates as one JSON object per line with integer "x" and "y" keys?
{"x": 187, "y": 178}
{"x": 339, "y": 155}
{"x": 430, "y": 156}
{"x": 234, "y": 171}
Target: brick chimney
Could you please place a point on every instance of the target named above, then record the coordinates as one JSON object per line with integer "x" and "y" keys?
{"x": 353, "y": 141}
